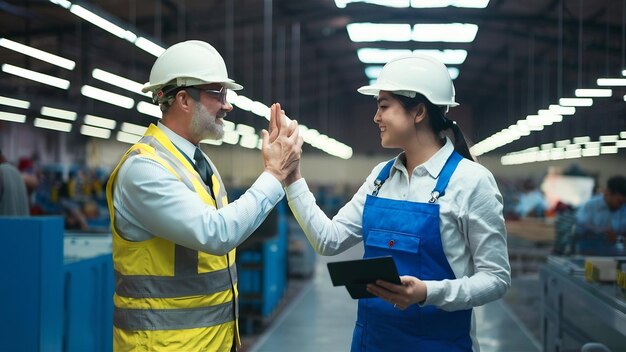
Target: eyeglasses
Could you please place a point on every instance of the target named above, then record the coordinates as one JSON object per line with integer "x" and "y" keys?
{"x": 221, "y": 93}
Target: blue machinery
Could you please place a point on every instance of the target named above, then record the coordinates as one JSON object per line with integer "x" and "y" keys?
{"x": 57, "y": 291}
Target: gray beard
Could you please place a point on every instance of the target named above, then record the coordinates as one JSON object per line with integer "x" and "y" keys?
{"x": 203, "y": 125}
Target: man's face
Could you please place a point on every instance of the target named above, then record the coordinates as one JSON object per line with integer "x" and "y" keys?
{"x": 207, "y": 120}
{"x": 614, "y": 200}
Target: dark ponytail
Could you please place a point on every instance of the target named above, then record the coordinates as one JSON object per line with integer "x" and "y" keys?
{"x": 438, "y": 121}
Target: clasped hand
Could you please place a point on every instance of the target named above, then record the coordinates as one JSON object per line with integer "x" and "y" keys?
{"x": 282, "y": 146}
{"x": 411, "y": 291}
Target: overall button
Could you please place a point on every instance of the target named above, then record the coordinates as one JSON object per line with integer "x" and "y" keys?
{"x": 391, "y": 243}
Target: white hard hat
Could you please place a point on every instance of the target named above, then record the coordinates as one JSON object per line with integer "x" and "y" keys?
{"x": 189, "y": 63}
{"x": 417, "y": 73}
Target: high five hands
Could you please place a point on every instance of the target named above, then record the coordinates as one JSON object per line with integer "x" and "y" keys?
{"x": 282, "y": 146}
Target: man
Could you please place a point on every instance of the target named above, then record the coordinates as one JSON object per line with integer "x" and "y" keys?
{"x": 13, "y": 196}
{"x": 601, "y": 221}
{"x": 174, "y": 233}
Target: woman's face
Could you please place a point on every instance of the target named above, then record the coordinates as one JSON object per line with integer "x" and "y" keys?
{"x": 395, "y": 123}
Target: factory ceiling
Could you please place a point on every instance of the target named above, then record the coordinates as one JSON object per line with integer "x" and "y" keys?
{"x": 526, "y": 55}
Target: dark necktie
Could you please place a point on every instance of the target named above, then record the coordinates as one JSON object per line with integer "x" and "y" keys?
{"x": 204, "y": 169}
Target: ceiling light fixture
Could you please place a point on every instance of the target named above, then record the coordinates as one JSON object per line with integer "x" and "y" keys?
{"x": 445, "y": 32}
{"x": 119, "y": 81}
{"x": 149, "y": 109}
{"x": 36, "y": 76}
{"x": 593, "y": 93}
{"x": 95, "y": 132}
{"x": 16, "y": 103}
{"x": 107, "y": 97}
{"x": 576, "y": 102}
{"x": 376, "y": 32}
{"x": 103, "y": 23}
{"x": 38, "y": 54}
{"x": 58, "y": 113}
{"x": 99, "y": 122}
{"x": 11, "y": 117}
{"x": 53, "y": 125}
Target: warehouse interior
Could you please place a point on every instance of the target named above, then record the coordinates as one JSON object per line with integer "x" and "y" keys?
{"x": 542, "y": 91}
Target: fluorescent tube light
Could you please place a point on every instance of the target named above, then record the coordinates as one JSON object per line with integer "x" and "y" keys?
{"x": 127, "y": 137}
{"x": 591, "y": 151}
{"x": 149, "y": 46}
{"x": 445, "y": 32}
{"x": 38, "y": 54}
{"x": 562, "y": 110}
{"x": 259, "y": 108}
{"x": 580, "y": 140}
{"x": 609, "y": 138}
{"x": 228, "y": 126}
{"x": 243, "y": 102}
{"x": 575, "y": 101}
{"x": 231, "y": 96}
{"x": 477, "y": 4}
{"x": 53, "y": 125}
{"x": 593, "y": 93}
{"x": 22, "y": 104}
{"x": 611, "y": 82}
{"x": 249, "y": 141}
{"x": 107, "y": 97}
{"x": 550, "y": 115}
{"x": 63, "y": 3}
{"x": 447, "y": 56}
{"x": 9, "y": 116}
{"x": 372, "y": 72}
{"x": 231, "y": 137}
{"x": 119, "y": 81}
{"x": 103, "y": 23}
{"x": 562, "y": 143}
{"x": 212, "y": 141}
{"x": 622, "y": 135}
{"x": 380, "y": 56}
{"x": 133, "y": 129}
{"x": 620, "y": 144}
{"x": 245, "y": 130}
{"x": 58, "y": 113}
{"x": 99, "y": 122}
{"x": 149, "y": 109}
{"x": 36, "y": 76}
{"x": 608, "y": 149}
{"x": 95, "y": 131}
{"x": 376, "y": 32}
{"x": 389, "y": 3}
{"x": 454, "y": 72}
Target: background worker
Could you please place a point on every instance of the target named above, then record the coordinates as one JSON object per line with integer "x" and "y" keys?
{"x": 13, "y": 195}
{"x": 601, "y": 221}
{"x": 174, "y": 232}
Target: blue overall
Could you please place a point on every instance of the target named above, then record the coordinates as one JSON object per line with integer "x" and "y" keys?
{"x": 409, "y": 232}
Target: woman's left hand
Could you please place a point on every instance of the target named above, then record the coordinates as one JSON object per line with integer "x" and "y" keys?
{"x": 411, "y": 291}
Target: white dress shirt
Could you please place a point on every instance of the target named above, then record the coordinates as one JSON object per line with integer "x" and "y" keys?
{"x": 150, "y": 201}
{"x": 471, "y": 225}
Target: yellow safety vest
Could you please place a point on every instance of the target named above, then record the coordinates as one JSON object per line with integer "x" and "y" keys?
{"x": 169, "y": 297}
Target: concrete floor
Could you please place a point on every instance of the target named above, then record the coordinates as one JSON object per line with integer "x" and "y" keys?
{"x": 321, "y": 318}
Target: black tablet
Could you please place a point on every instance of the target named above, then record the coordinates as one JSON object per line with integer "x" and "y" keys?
{"x": 356, "y": 274}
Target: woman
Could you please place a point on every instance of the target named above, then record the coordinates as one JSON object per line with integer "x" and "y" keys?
{"x": 436, "y": 211}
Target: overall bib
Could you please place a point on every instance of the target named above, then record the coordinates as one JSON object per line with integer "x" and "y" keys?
{"x": 409, "y": 232}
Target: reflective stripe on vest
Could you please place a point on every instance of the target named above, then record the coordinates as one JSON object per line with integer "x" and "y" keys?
{"x": 173, "y": 319}
{"x": 140, "y": 286}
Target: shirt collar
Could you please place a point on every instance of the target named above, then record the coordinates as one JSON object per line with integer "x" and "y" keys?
{"x": 183, "y": 145}
{"x": 435, "y": 164}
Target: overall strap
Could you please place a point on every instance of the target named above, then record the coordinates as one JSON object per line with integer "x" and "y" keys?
{"x": 383, "y": 175}
{"x": 445, "y": 175}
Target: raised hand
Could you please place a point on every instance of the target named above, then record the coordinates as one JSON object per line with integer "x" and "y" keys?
{"x": 278, "y": 120}
{"x": 282, "y": 155}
